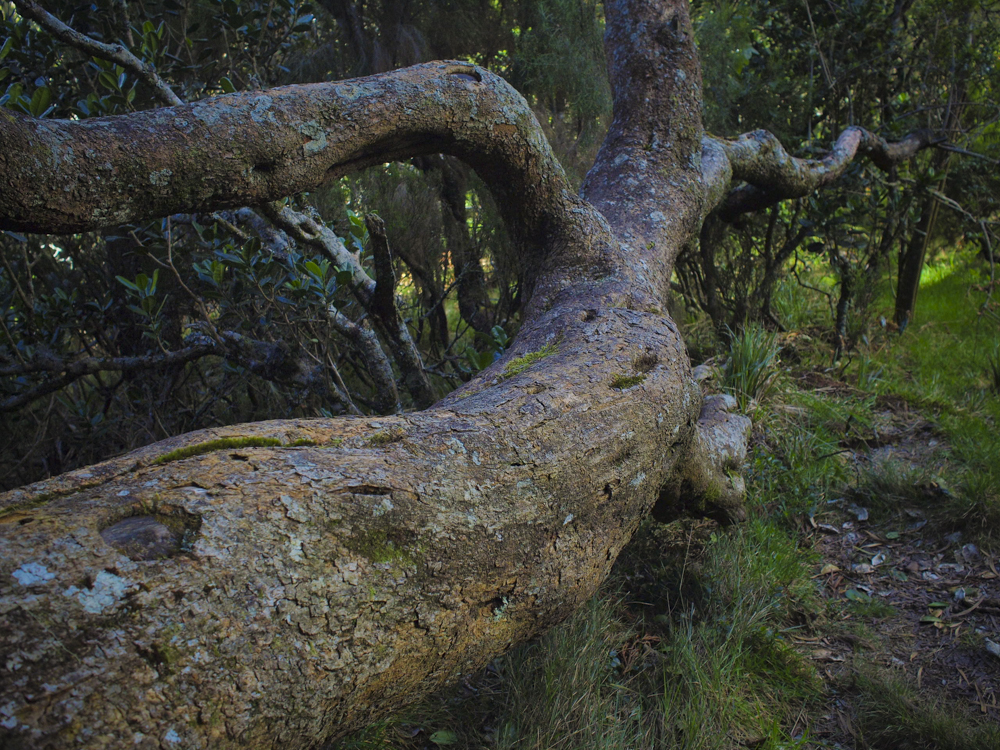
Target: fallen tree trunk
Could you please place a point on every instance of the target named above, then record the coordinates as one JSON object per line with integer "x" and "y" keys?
{"x": 286, "y": 582}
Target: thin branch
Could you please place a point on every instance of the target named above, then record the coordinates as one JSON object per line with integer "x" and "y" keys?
{"x": 366, "y": 344}
{"x": 773, "y": 175}
{"x": 89, "y": 366}
{"x": 271, "y": 361}
{"x": 116, "y": 53}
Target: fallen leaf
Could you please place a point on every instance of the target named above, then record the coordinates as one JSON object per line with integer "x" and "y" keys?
{"x": 444, "y": 737}
{"x": 829, "y": 568}
{"x": 824, "y": 654}
{"x": 859, "y": 512}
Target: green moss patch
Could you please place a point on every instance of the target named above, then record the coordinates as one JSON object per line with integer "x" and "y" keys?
{"x": 621, "y": 381}
{"x": 385, "y": 437}
{"x": 379, "y": 548}
{"x": 519, "y": 365}
{"x": 216, "y": 445}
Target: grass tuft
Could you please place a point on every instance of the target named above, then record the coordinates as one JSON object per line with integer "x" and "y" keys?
{"x": 752, "y": 365}
{"x": 892, "y": 716}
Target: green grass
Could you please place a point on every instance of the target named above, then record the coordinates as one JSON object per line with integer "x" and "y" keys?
{"x": 892, "y": 716}
{"x": 751, "y": 366}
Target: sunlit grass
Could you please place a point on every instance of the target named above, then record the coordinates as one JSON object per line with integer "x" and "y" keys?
{"x": 751, "y": 366}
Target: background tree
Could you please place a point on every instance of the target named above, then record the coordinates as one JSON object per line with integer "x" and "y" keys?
{"x": 806, "y": 70}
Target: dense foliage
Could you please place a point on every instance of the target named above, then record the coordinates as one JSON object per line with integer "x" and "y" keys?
{"x": 807, "y": 70}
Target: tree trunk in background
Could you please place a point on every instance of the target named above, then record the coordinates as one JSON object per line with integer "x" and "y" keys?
{"x": 911, "y": 263}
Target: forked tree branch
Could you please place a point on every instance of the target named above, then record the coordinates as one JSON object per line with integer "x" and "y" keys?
{"x": 311, "y": 575}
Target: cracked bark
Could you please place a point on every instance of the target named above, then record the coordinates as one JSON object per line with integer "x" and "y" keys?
{"x": 320, "y": 573}
{"x": 285, "y": 582}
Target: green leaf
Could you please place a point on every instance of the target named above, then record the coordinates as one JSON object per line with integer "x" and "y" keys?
{"x": 5, "y": 49}
{"x": 126, "y": 283}
{"x": 856, "y": 596}
{"x": 344, "y": 277}
{"x": 107, "y": 80}
{"x": 40, "y": 101}
{"x": 444, "y": 737}
{"x": 930, "y": 619}
{"x": 227, "y": 86}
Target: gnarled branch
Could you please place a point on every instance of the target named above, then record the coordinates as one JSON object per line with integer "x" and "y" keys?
{"x": 773, "y": 175}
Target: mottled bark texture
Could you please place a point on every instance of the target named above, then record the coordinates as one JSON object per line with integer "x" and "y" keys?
{"x": 283, "y": 583}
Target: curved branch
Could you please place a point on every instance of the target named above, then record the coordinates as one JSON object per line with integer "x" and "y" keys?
{"x": 773, "y": 175}
{"x": 249, "y": 148}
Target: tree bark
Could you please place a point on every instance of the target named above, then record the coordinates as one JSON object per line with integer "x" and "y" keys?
{"x": 286, "y": 582}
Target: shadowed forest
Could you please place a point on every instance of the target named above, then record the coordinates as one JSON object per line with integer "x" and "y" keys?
{"x": 854, "y": 603}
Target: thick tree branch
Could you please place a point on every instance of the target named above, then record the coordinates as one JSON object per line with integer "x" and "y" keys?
{"x": 656, "y": 129}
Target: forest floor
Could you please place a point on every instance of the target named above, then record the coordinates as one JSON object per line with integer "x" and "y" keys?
{"x": 926, "y": 600}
